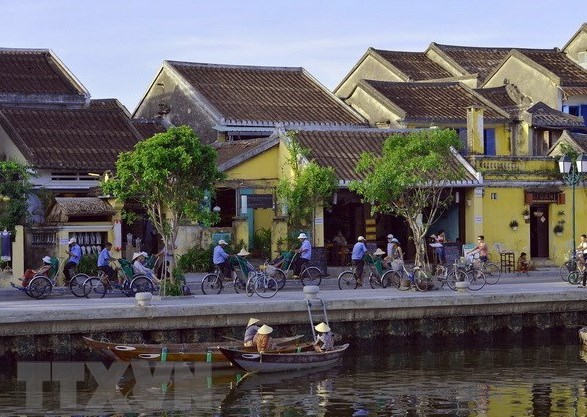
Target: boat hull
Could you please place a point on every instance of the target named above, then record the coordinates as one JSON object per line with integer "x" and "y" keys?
{"x": 281, "y": 362}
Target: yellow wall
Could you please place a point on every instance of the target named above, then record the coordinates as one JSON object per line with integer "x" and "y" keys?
{"x": 261, "y": 167}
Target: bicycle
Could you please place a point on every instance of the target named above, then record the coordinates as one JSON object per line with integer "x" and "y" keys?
{"x": 42, "y": 285}
{"x": 97, "y": 286}
{"x": 416, "y": 278}
{"x": 575, "y": 276}
{"x": 474, "y": 275}
{"x": 261, "y": 284}
{"x": 491, "y": 271}
{"x": 377, "y": 277}
{"x": 283, "y": 264}
{"x": 444, "y": 276}
{"x": 568, "y": 266}
{"x": 213, "y": 283}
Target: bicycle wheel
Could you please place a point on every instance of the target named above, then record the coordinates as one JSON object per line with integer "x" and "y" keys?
{"x": 420, "y": 280}
{"x": 492, "y": 273}
{"x": 347, "y": 281}
{"x": 311, "y": 276}
{"x": 566, "y": 268}
{"x": 212, "y": 284}
{"x": 94, "y": 288}
{"x": 251, "y": 284}
{"x": 391, "y": 279}
{"x": 76, "y": 284}
{"x": 239, "y": 285}
{"x": 141, "y": 284}
{"x": 266, "y": 287}
{"x": 574, "y": 277}
{"x": 279, "y": 277}
{"x": 375, "y": 281}
{"x": 476, "y": 279}
{"x": 40, "y": 287}
{"x": 441, "y": 274}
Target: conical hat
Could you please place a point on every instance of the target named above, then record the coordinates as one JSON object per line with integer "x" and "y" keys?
{"x": 243, "y": 252}
{"x": 252, "y": 321}
{"x": 322, "y": 327}
{"x": 379, "y": 252}
{"x": 265, "y": 329}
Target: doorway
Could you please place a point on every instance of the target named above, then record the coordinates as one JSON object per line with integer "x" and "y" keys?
{"x": 539, "y": 231}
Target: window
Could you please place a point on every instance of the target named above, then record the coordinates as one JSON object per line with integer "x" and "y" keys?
{"x": 489, "y": 141}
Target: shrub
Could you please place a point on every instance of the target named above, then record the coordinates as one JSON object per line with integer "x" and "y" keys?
{"x": 262, "y": 242}
{"x": 88, "y": 264}
{"x": 195, "y": 259}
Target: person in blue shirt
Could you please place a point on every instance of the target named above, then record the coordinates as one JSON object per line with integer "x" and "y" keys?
{"x": 304, "y": 255}
{"x": 359, "y": 251}
{"x": 104, "y": 262}
{"x": 75, "y": 255}
{"x": 220, "y": 259}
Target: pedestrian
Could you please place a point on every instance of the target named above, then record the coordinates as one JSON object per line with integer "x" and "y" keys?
{"x": 440, "y": 239}
{"x": 389, "y": 244}
{"x": 396, "y": 255}
{"x": 304, "y": 255}
{"x": 75, "y": 255}
{"x": 359, "y": 251}
{"x": 581, "y": 256}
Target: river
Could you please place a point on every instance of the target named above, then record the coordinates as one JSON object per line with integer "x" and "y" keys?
{"x": 370, "y": 381}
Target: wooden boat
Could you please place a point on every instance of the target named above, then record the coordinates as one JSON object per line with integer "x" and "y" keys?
{"x": 280, "y": 361}
{"x": 183, "y": 352}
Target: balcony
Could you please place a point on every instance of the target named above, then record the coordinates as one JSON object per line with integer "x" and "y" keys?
{"x": 518, "y": 168}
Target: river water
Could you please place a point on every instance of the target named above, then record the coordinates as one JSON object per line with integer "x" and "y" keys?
{"x": 370, "y": 381}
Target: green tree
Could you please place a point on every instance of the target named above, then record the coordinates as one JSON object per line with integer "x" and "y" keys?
{"x": 15, "y": 189}
{"x": 172, "y": 175}
{"x": 309, "y": 186}
{"x": 410, "y": 179}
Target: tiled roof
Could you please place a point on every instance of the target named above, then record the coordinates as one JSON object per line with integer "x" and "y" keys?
{"x": 416, "y": 65}
{"x": 545, "y": 116}
{"x": 32, "y": 71}
{"x": 265, "y": 95}
{"x": 148, "y": 128}
{"x": 580, "y": 139}
{"x": 502, "y": 97}
{"x": 70, "y": 139}
{"x": 480, "y": 60}
{"x": 232, "y": 149}
{"x": 435, "y": 102}
{"x": 341, "y": 150}
{"x": 570, "y": 73}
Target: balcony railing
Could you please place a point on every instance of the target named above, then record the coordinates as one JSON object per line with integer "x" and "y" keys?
{"x": 530, "y": 168}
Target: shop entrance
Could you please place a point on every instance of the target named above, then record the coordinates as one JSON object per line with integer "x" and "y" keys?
{"x": 539, "y": 231}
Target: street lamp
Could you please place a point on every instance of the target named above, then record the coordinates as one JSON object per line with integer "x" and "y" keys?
{"x": 572, "y": 174}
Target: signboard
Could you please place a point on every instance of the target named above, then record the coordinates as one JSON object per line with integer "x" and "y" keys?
{"x": 543, "y": 196}
{"x": 260, "y": 201}
{"x": 452, "y": 251}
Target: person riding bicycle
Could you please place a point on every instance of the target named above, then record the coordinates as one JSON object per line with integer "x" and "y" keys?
{"x": 220, "y": 259}
{"x": 75, "y": 255}
{"x": 359, "y": 251}
{"x": 305, "y": 254}
{"x": 104, "y": 262}
{"x": 481, "y": 249}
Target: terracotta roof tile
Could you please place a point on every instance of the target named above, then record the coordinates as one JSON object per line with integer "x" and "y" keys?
{"x": 229, "y": 150}
{"x": 416, "y": 65}
{"x": 434, "y": 102}
{"x": 580, "y": 139}
{"x": 148, "y": 128}
{"x": 570, "y": 73}
{"x": 501, "y": 98}
{"x": 265, "y": 95}
{"x": 341, "y": 150}
{"x": 70, "y": 139}
{"x": 545, "y": 116}
{"x": 24, "y": 71}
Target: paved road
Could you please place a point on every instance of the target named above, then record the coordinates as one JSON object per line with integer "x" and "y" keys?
{"x": 543, "y": 275}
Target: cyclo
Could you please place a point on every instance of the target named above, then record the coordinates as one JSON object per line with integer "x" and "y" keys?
{"x": 279, "y": 269}
{"x": 213, "y": 283}
{"x": 41, "y": 285}
{"x": 97, "y": 286}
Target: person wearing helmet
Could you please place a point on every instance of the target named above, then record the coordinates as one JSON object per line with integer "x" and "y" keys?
{"x": 324, "y": 339}
{"x": 220, "y": 259}
{"x": 304, "y": 255}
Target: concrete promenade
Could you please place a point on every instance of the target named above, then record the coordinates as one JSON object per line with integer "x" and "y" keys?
{"x": 541, "y": 300}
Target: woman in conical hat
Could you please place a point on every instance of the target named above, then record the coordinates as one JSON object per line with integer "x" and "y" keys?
{"x": 263, "y": 340}
{"x": 324, "y": 340}
{"x": 251, "y": 331}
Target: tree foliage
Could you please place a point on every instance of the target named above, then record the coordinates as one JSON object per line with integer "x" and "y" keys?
{"x": 410, "y": 179}
{"x": 309, "y": 186}
{"x": 14, "y": 193}
{"x": 172, "y": 175}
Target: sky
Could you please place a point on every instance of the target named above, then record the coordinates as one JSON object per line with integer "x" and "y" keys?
{"x": 116, "y": 47}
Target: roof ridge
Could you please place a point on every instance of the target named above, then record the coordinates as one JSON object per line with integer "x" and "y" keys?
{"x": 234, "y": 66}
{"x": 501, "y": 48}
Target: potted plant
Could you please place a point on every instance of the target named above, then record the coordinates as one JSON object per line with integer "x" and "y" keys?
{"x": 526, "y": 214}
{"x": 558, "y": 229}
{"x": 514, "y": 224}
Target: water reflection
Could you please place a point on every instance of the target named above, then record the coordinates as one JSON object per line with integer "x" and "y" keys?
{"x": 543, "y": 381}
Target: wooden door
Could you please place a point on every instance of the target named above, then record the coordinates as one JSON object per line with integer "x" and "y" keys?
{"x": 539, "y": 231}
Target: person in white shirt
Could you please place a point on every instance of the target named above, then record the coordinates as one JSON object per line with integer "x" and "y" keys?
{"x": 325, "y": 339}
{"x": 139, "y": 269}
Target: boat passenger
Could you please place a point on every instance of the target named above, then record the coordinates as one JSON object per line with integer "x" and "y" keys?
{"x": 325, "y": 339}
{"x": 253, "y": 327}
{"x": 263, "y": 340}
